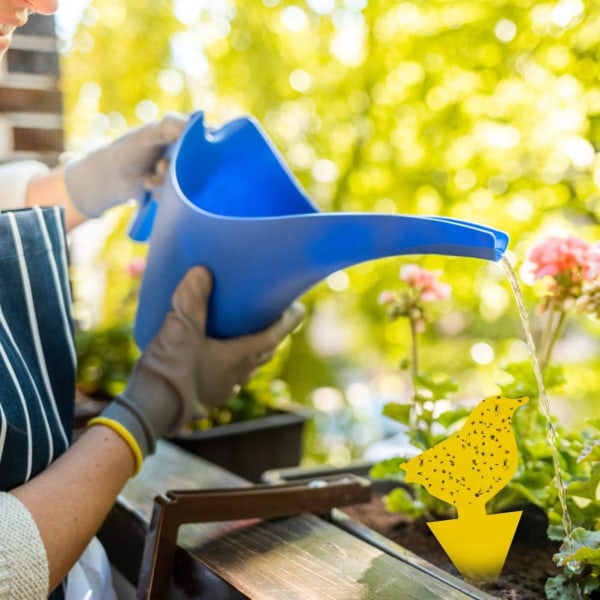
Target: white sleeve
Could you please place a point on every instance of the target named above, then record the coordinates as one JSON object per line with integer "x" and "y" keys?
{"x": 14, "y": 179}
{"x": 23, "y": 563}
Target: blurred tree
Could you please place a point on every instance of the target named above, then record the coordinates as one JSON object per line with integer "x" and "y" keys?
{"x": 488, "y": 111}
{"x": 117, "y": 71}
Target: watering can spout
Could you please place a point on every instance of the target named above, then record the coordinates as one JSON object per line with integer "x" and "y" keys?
{"x": 465, "y": 238}
{"x": 231, "y": 204}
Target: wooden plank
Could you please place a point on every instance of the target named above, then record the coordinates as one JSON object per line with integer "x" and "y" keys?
{"x": 38, "y": 140}
{"x": 30, "y": 100}
{"x": 302, "y": 557}
{"x": 306, "y": 558}
{"x": 27, "y": 61}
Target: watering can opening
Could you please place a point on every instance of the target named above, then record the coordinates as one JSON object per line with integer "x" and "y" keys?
{"x": 213, "y": 173}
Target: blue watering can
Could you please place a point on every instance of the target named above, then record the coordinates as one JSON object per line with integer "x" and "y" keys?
{"x": 230, "y": 203}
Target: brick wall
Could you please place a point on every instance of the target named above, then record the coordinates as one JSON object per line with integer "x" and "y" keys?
{"x": 31, "y": 124}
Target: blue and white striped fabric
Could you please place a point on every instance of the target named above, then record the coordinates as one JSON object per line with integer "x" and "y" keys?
{"x": 37, "y": 355}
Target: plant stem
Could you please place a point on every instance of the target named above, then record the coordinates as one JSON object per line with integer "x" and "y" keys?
{"x": 553, "y": 339}
{"x": 415, "y": 412}
{"x": 547, "y": 332}
{"x": 415, "y": 355}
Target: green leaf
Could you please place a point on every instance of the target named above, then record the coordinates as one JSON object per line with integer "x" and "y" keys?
{"x": 590, "y": 452}
{"x": 585, "y": 551}
{"x": 450, "y": 417}
{"x": 388, "y": 469}
{"x": 584, "y": 489}
{"x": 524, "y": 382}
{"x": 524, "y": 491}
{"x": 400, "y": 500}
{"x": 563, "y": 588}
{"x": 439, "y": 385}
{"x": 556, "y": 532}
{"x": 398, "y": 412}
{"x": 594, "y": 422}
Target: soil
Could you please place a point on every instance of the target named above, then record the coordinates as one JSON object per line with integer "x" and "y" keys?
{"x": 528, "y": 564}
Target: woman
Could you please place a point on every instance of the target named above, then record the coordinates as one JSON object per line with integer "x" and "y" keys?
{"x": 53, "y": 496}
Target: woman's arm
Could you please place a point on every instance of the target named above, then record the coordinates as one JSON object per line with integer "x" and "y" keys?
{"x": 120, "y": 171}
{"x": 181, "y": 373}
{"x": 71, "y": 498}
{"x": 49, "y": 189}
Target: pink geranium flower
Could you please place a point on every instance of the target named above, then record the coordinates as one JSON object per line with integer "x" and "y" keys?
{"x": 556, "y": 256}
{"x": 386, "y": 298}
{"x": 422, "y": 285}
{"x": 426, "y": 282}
{"x": 594, "y": 261}
{"x": 570, "y": 266}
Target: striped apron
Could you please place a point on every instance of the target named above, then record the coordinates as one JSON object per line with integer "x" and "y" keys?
{"x": 37, "y": 356}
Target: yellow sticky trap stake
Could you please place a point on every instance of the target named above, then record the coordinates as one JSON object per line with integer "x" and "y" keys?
{"x": 466, "y": 470}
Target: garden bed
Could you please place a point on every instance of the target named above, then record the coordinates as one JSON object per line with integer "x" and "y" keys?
{"x": 528, "y": 564}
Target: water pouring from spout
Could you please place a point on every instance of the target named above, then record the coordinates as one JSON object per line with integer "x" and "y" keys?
{"x": 231, "y": 204}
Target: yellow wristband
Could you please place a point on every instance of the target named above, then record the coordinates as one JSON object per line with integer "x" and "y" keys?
{"x": 124, "y": 433}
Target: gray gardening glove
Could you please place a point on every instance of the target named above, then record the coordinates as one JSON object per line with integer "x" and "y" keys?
{"x": 183, "y": 373}
{"x": 122, "y": 170}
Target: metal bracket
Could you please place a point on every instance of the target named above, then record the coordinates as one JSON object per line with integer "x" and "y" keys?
{"x": 176, "y": 508}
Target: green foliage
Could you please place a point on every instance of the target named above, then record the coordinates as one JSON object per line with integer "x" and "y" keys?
{"x": 464, "y": 109}
{"x": 523, "y": 382}
{"x": 559, "y": 470}
{"x": 105, "y": 358}
{"x": 388, "y": 469}
{"x": 401, "y": 501}
{"x": 582, "y": 567}
{"x": 563, "y": 588}
{"x": 407, "y": 499}
{"x": 580, "y": 555}
{"x": 534, "y": 482}
{"x": 119, "y": 54}
{"x": 423, "y": 413}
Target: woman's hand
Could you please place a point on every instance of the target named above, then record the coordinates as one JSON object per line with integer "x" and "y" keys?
{"x": 183, "y": 373}
{"x": 124, "y": 169}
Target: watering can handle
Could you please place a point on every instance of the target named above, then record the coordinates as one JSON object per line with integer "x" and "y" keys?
{"x": 143, "y": 220}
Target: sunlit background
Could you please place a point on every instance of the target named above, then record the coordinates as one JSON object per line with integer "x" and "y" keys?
{"x": 476, "y": 110}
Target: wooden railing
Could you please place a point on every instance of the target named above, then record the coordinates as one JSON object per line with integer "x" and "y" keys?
{"x": 31, "y": 107}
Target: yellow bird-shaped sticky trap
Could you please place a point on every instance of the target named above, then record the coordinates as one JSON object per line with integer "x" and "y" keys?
{"x": 466, "y": 470}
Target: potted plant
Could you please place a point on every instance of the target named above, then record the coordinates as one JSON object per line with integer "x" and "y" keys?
{"x": 559, "y": 469}
{"x": 556, "y": 549}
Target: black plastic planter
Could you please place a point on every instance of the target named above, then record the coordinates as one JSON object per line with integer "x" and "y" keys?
{"x": 250, "y": 448}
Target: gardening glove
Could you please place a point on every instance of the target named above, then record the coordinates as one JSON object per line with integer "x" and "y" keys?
{"x": 124, "y": 169}
{"x": 183, "y": 373}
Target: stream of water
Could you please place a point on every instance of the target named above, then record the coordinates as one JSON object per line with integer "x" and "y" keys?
{"x": 543, "y": 400}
